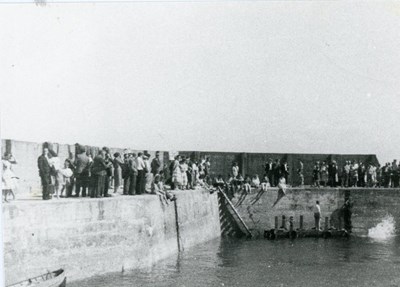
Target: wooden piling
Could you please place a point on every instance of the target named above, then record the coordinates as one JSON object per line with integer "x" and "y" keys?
{"x": 276, "y": 222}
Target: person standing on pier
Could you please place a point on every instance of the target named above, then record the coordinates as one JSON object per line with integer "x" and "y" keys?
{"x": 277, "y": 172}
{"x": 81, "y": 172}
{"x": 176, "y": 173}
{"x": 132, "y": 174}
{"x": 346, "y": 174}
{"x": 99, "y": 174}
{"x": 285, "y": 171}
{"x": 300, "y": 172}
{"x": 184, "y": 168}
{"x": 156, "y": 164}
{"x": 316, "y": 174}
{"x": 8, "y": 178}
{"x": 317, "y": 215}
{"x": 118, "y": 163}
{"x": 332, "y": 173}
{"x": 148, "y": 176}
{"x": 125, "y": 172}
{"x": 56, "y": 176}
{"x": 141, "y": 177}
{"x": 195, "y": 174}
{"x": 109, "y": 170}
{"x": 395, "y": 174}
{"x": 45, "y": 173}
{"x": 324, "y": 174}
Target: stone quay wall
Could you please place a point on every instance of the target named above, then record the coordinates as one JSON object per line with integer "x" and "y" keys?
{"x": 87, "y": 237}
{"x": 370, "y": 207}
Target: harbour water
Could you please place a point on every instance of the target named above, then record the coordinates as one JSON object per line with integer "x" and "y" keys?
{"x": 357, "y": 261}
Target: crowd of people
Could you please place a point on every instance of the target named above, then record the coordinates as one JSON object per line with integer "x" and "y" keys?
{"x": 130, "y": 173}
{"x": 135, "y": 174}
{"x": 356, "y": 174}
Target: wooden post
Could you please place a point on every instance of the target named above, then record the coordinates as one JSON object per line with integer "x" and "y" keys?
{"x": 276, "y": 222}
{"x": 301, "y": 222}
{"x": 283, "y": 221}
{"x": 326, "y": 223}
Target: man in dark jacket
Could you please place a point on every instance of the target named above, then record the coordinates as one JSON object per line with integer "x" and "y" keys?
{"x": 285, "y": 171}
{"x": 45, "y": 173}
{"x": 277, "y": 172}
{"x": 81, "y": 172}
{"x": 156, "y": 164}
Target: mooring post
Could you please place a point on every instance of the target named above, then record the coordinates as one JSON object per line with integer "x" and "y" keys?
{"x": 276, "y": 222}
{"x": 301, "y": 222}
{"x": 326, "y": 223}
{"x": 283, "y": 221}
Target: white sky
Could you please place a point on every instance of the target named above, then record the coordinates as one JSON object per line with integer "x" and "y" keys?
{"x": 265, "y": 76}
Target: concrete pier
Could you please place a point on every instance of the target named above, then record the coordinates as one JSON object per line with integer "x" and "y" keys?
{"x": 370, "y": 207}
{"x": 95, "y": 236}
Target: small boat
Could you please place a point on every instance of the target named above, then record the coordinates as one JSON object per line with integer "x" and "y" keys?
{"x": 51, "y": 279}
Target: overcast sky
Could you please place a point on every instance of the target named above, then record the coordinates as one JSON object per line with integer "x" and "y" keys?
{"x": 265, "y": 76}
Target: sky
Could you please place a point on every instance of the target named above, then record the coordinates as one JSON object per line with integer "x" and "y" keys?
{"x": 247, "y": 76}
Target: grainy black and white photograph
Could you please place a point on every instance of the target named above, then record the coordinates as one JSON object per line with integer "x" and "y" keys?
{"x": 173, "y": 143}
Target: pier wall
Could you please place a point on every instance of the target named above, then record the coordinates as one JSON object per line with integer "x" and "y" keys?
{"x": 261, "y": 215}
{"x": 370, "y": 207}
{"x": 96, "y": 236}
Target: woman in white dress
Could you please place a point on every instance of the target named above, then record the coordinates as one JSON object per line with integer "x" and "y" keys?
{"x": 177, "y": 173}
{"x": 57, "y": 177}
{"x": 8, "y": 178}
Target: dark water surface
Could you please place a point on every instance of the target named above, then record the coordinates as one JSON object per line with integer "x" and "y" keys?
{"x": 302, "y": 262}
